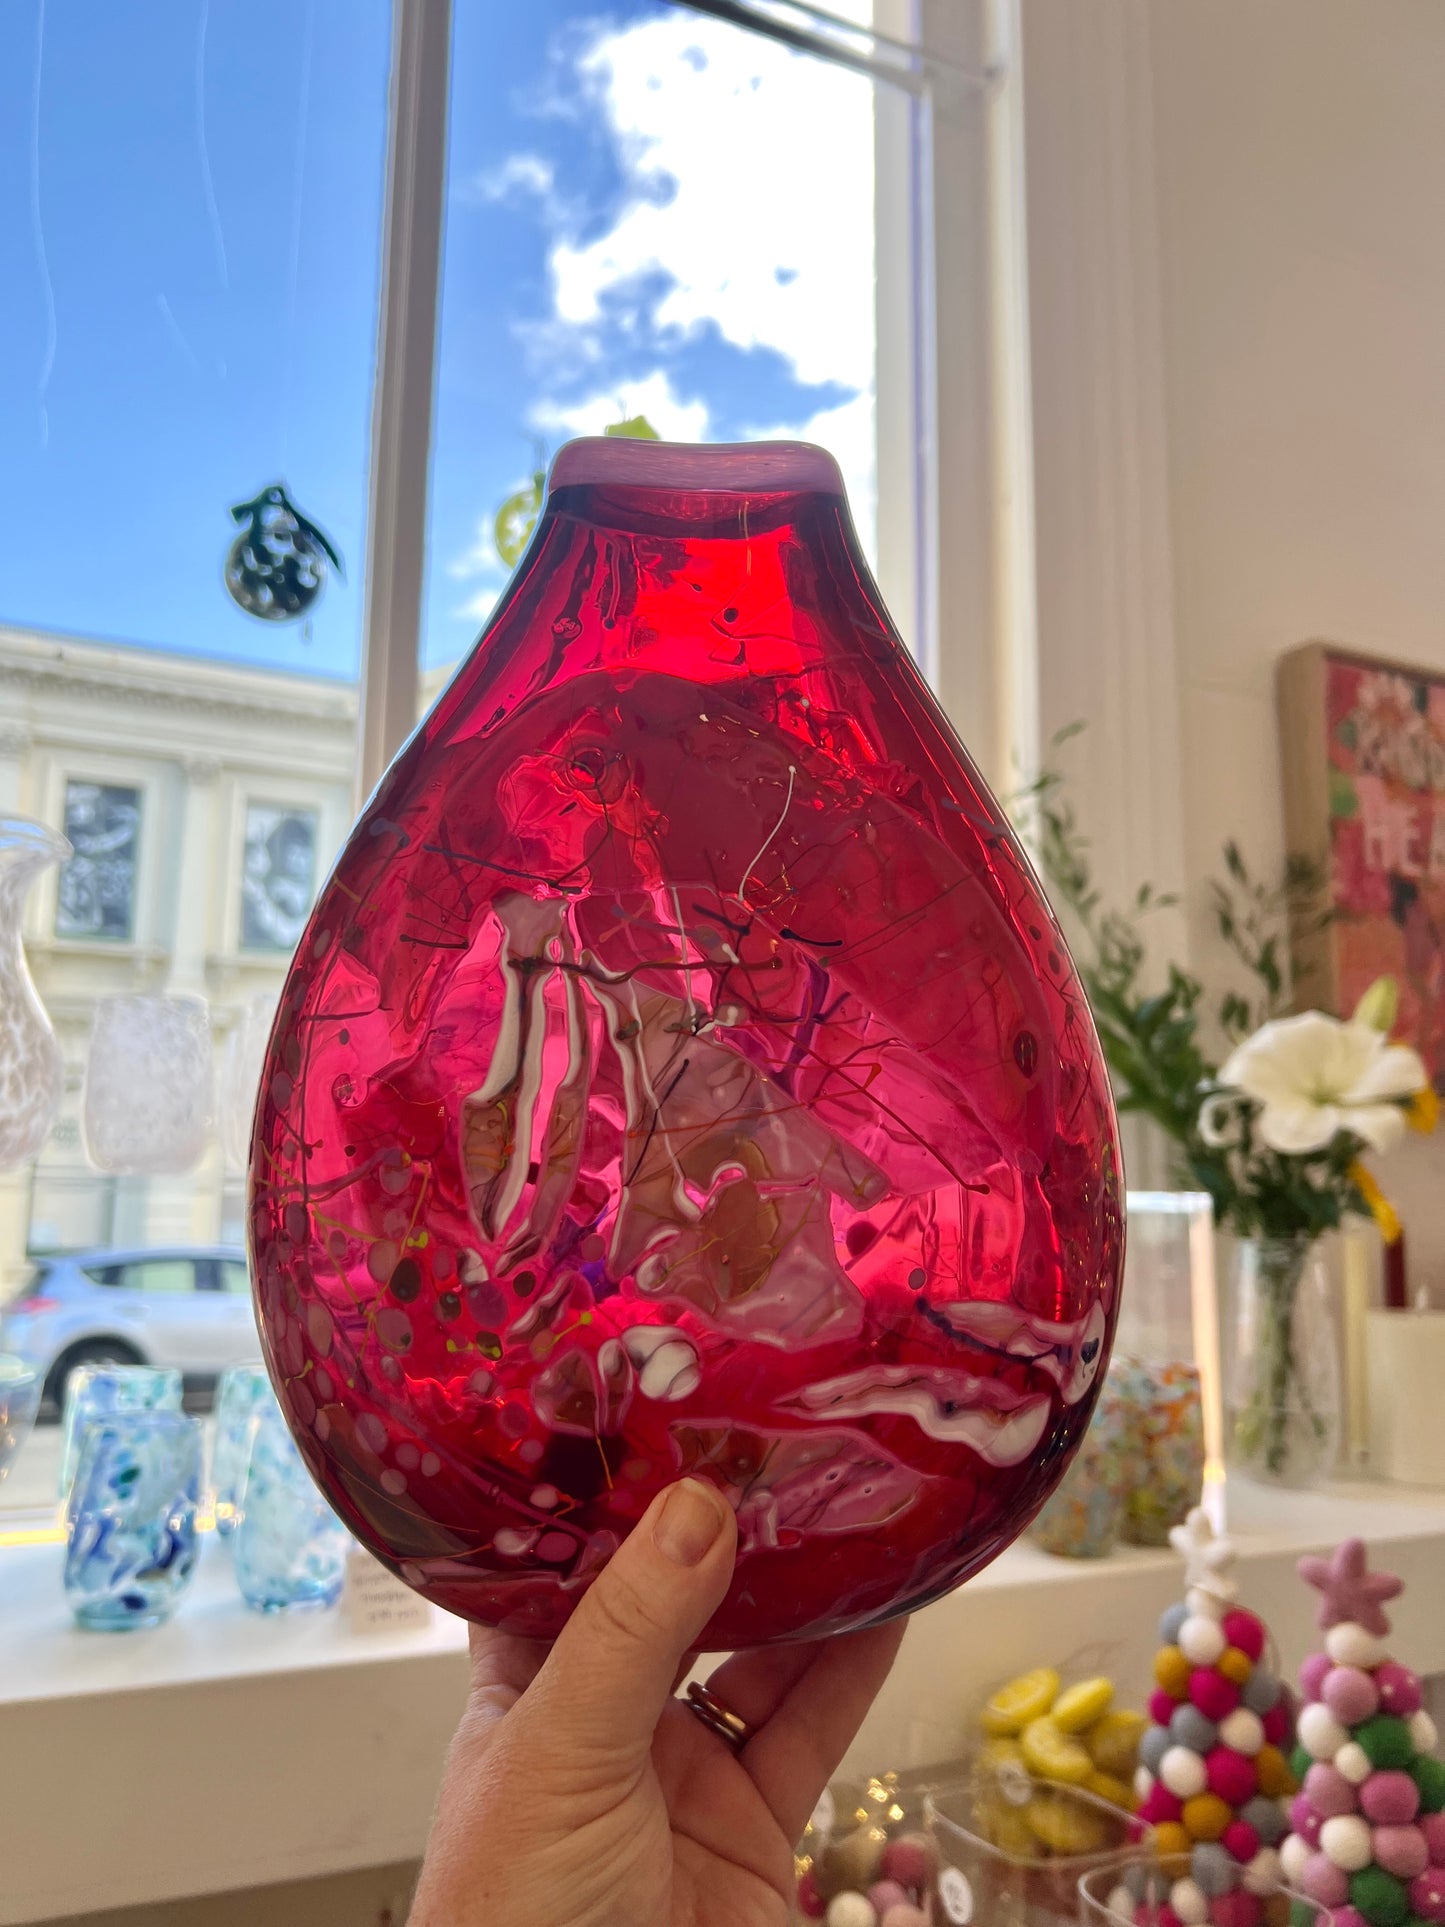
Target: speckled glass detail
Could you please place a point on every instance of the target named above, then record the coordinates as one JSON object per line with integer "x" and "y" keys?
{"x": 290, "y": 1546}
{"x": 131, "y": 1521}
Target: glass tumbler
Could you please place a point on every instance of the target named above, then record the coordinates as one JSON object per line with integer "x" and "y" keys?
{"x": 19, "y": 1399}
{"x": 290, "y": 1546}
{"x": 1139, "y": 1891}
{"x": 95, "y": 1392}
{"x": 243, "y": 1391}
{"x": 131, "y": 1521}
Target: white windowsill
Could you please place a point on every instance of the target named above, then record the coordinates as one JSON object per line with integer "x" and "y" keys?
{"x": 227, "y": 1749}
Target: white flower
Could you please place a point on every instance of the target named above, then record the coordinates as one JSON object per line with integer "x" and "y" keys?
{"x": 1314, "y": 1075}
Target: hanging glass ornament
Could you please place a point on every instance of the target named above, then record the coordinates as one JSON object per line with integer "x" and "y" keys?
{"x": 278, "y": 564}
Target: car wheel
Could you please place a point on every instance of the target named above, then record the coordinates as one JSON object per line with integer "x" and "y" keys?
{"x": 91, "y": 1351}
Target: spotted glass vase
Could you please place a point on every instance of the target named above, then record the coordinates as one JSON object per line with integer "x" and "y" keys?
{"x": 32, "y": 1075}
{"x": 682, "y": 1073}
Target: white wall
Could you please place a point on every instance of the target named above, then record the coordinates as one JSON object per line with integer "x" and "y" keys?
{"x": 1300, "y": 205}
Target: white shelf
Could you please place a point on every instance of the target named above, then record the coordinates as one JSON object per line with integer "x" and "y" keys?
{"x": 228, "y": 1749}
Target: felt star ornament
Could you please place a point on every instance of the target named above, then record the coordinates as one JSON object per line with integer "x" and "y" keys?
{"x": 1348, "y": 1591}
{"x": 1207, "y": 1556}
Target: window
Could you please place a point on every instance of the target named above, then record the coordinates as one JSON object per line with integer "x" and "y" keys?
{"x": 234, "y": 1277}
{"x": 651, "y": 214}
{"x": 150, "y": 1275}
{"x": 278, "y": 876}
{"x": 96, "y": 894}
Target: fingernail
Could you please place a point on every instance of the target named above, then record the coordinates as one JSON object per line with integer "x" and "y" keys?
{"x": 689, "y": 1523}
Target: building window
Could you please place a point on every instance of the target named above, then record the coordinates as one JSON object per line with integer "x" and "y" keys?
{"x": 278, "y": 876}
{"x": 98, "y": 885}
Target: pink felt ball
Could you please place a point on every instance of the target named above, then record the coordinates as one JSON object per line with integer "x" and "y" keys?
{"x": 1278, "y": 1723}
{"x": 1399, "y": 1689}
{"x": 1350, "y": 1695}
{"x": 1240, "y": 1840}
{"x": 1214, "y": 1695}
{"x": 1238, "y": 1909}
{"x": 1234, "y": 1778}
{"x": 1243, "y": 1630}
{"x": 1301, "y": 1810}
{"x": 1432, "y": 1825}
{"x": 1401, "y": 1851}
{"x": 1389, "y": 1799}
{"x": 1312, "y": 1674}
{"x": 1160, "y": 1805}
{"x": 904, "y": 1914}
{"x": 1161, "y": 1706}
{"x": 1308, "y": 1826}
{"x": 1323, "y": 1881}
{"x": 1347, "y": 1917}
{"x": 1427, "y": 1894}
{"x": 811, "y": 1904}
{"x": 884, "y": 1894}
{"x": 911, "y": 1860}
{"x": 1328, "y": 1791}
{"x": 1164, "y": 1916}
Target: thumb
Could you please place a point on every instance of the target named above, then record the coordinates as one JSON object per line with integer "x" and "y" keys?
{"x": 605, "y": 1683}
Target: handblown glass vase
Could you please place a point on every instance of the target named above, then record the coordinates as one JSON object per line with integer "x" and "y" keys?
{"x": 32, "y": 1075}
{"x": 682, "y": 1073}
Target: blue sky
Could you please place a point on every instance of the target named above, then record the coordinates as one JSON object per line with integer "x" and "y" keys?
{"x": 646, "y": 210}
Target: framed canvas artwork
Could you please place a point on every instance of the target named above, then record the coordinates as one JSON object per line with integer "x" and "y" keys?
{"x": 1362, "y": 745}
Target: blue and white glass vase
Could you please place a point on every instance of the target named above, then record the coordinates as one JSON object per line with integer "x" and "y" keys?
{"x": 131, "y": 1521}
{"x": 19, "y": 1397}
{"x": 290, "y": 1546}
{"x": 101, "y": 1391}
{"x": 243, "y": 1391}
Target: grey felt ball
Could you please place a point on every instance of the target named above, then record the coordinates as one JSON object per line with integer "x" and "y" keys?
{"x": 1169, "y": 1625}
{"x": 1190, "y": 1728}
{"x": 1261, "y": 1690}
{"x": 1267, "y": 1817}
{"x": 1214, "y": 1868}
{"x": 1152, "y": 1748}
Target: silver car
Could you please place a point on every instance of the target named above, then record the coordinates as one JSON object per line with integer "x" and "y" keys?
{"x": 189, "y": 1307}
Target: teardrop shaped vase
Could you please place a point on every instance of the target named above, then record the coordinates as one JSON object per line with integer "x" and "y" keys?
{"x": 683, "y": 1074}
{"x": 32, "y": 1075}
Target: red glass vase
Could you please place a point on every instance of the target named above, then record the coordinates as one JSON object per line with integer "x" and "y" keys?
{"x": 682, "y": 1073}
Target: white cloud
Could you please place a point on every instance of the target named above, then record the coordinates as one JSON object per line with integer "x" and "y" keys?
{"x": 752, "y": 171}
{"x": 654, "y": 396}
{"x": 517, "y": 178}
{"x": 479, "y": 607}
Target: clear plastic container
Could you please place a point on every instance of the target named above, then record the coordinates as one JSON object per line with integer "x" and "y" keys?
{"x": 1012, "y": 1854}
{"x": 1134, "y": 1892}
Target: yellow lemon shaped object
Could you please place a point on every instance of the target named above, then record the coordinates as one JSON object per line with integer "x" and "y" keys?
{"x": 1020, "y": 1700}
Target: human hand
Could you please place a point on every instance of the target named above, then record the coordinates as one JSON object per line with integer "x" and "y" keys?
{"x": 580, "y": 1793}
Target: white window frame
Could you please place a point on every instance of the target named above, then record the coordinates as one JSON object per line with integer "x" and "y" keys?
{"x": 954, "y": 451}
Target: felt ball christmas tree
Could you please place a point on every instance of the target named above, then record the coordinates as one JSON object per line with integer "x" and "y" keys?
{"x": 1368, "y": 1824}
{"x": 1214, "y": 1774}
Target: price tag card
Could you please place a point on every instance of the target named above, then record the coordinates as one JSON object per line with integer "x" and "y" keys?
{"x": 375, "y": 1601}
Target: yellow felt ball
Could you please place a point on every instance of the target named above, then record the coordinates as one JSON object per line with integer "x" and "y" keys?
{"x": 1206, "y": 1816}
{"x": 1275, "y": 1777}
{"x": 1079, "y": 1706}
{"x": 1104, "y": 1786}
{"x": 1066, "y": 1826}
{"x": 1113, "y": 1741}
{"x": 1171, "y": 1670}
{"x": 1020, "y": 1700}
{"x": 1054, "y": 1754}
{"x": 1235, "y": 1665}
{"x": 1170, "y": 1839}
{"x": 1276, "y": 1911}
